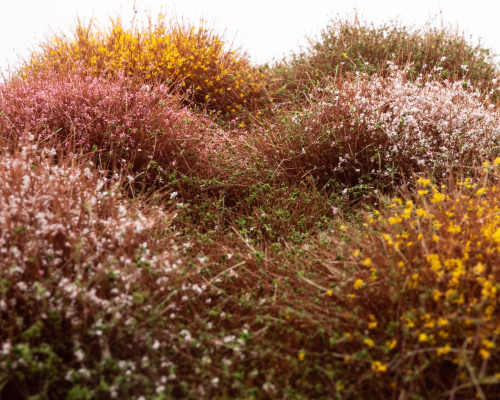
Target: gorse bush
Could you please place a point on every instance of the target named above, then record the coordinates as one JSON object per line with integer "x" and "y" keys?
{"x": 351, "y": 44}
{"x": 421, "y": 300}
{"x": 192, "y": 59}
{"x": 378, "y": 130}
{"x": 142, "y": 128}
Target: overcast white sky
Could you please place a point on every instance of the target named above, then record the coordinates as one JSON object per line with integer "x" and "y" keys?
{"x": 267, "y": 28}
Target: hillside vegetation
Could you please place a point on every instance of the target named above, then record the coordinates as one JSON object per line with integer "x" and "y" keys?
{"x": 177, "y": 222}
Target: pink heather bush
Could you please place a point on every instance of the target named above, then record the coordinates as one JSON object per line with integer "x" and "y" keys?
{"x": 376, "y": 128}
{"x": 123, "y": 122}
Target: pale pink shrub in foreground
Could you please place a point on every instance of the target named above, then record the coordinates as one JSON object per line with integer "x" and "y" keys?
{"x": 80, "y": 266}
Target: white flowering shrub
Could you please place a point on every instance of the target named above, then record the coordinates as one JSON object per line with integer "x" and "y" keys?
{"x": 381, "y": 129}
{"x": 83, "y": 272}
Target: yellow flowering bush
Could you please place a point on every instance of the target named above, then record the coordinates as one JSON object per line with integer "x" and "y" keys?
{"x": 195, "y": 59}
{"x": 425, "y": 309}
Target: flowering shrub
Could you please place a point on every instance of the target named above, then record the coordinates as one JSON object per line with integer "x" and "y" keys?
{"x": 82, "y": 273}
{"x": 423, "y": 293}
{"x": 376, "y": 130}
{"x": 353, "y": 44}
{"x": 192, "y": 57}
{"x": 134, "y": 126}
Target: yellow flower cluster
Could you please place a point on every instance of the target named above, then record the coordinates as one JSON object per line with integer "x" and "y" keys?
{"x": 447, "y": 241}
{"x": 191, "y": 58}
{"x": 427, "y": 279}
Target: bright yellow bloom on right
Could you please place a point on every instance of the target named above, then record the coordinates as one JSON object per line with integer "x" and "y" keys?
{"x": 358, "y": 284}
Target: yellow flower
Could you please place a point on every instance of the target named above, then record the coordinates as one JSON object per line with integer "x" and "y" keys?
{"x": 329, "y": 292}
{"x": 421, "y": 212}
{"x": 443, "y": 334}
{"x": 358, "y": 284}
{"x": 391, "y": 344}
{"x": 369, "y": 342}
{"x": 345, "y": 55}
{"x": 443, "y": 350}
{"x": 355, "y": 253}
{"x": 377, "y": 366}
{"x": 302, "y": 355}
{"x": 481, "y": 191}
{"x": 423, "y": 337}
{"x": 387, "y": 239}
{"x": 454, "y": 229}
{"x": 423, "y": 182}
{"x": 422, "y": 192}
{"x": 367, "y": 262}
{"x": 479, "y": 269}
{"x": 372, "y": 325}
{"x": 438, "y": 197}
{"x": 484, "y": 353}
{"x": 395, "y": 220}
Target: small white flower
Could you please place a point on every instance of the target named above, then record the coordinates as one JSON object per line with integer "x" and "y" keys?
{"x": 6, "y": 348}
{"x": 160, "y": 389}
{"x": 80, "y": 355}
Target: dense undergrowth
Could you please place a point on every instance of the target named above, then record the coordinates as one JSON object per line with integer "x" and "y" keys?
{"x": 176, "y": 222}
